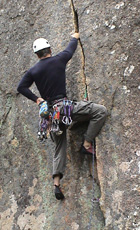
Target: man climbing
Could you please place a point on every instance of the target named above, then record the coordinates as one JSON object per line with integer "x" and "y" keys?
{"x": 50, "y": 79}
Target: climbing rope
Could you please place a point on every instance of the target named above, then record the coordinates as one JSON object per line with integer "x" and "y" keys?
{"x": 93, "y": 200}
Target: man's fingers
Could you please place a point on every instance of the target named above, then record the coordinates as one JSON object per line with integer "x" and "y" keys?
{"x": 76, "y": 35}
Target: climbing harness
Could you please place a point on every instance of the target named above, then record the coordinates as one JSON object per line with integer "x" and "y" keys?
{"x": 50, "y": 117}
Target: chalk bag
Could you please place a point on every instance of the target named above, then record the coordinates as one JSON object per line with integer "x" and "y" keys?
{"x": 44, "y": 110}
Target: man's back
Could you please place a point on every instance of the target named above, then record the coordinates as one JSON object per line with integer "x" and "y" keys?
{"x": 48, "y": 75}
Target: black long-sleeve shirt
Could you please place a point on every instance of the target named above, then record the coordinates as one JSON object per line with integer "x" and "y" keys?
{"x": 48, "y": 75}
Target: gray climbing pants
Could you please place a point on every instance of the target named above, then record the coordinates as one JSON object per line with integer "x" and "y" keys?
{"x": 82, "y": 111}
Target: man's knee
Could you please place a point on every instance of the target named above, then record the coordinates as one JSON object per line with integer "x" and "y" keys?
{"x": 100, "y": 111}
{"x": 103, "y": 111}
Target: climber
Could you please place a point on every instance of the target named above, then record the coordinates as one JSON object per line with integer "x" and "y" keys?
{"x": 49, "y": 76}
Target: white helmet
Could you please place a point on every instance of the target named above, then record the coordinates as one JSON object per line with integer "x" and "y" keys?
{"x": 39, "y": 44}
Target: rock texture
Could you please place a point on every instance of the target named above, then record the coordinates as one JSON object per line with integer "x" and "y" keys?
{"x": 107, "y": 63}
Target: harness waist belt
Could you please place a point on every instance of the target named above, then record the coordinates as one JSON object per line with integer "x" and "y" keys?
{"x": 56, "y": 98}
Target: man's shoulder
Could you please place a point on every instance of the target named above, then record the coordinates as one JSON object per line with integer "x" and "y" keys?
{"x": 35, "y": 66}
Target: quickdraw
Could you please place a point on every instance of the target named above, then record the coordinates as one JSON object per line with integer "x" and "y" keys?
{"x": 67, "y": 106}
{"x": 44, "y": 121}
{"x": 42, "y": 130}
{"x": 56, "y": 119}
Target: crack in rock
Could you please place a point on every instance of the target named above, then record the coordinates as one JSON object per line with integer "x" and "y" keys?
{"x": 76, "y": 25}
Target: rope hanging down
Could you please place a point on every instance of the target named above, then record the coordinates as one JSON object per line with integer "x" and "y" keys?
{"x": 93, "y": 200}
{"x": 76, "y": 24}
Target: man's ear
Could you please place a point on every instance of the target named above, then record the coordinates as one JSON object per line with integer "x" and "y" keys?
{"x": 37, "y": 56}
{"x": 50, "y": 52}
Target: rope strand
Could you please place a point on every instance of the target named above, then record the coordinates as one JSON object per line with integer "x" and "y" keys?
{"x": 93, "y": 200}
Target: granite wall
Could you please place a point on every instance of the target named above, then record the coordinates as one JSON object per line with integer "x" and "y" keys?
{"x": 106, "y": 62}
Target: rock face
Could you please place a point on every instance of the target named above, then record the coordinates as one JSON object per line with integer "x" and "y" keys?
{"x": 107, "y": 63}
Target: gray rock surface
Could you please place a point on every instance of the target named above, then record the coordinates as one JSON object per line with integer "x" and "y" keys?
{"x": 107, "y": 63}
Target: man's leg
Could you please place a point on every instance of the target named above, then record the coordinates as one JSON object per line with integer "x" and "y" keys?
{"x": 95, "y": 114}
{"x": 59, "y": 161}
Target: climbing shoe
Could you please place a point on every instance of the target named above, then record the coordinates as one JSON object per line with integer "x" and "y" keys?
{"x": 88, "y": 151}
{"x": 58, "y": 193}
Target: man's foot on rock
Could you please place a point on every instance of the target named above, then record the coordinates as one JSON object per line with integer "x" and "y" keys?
{"x": 58, "y": 193}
